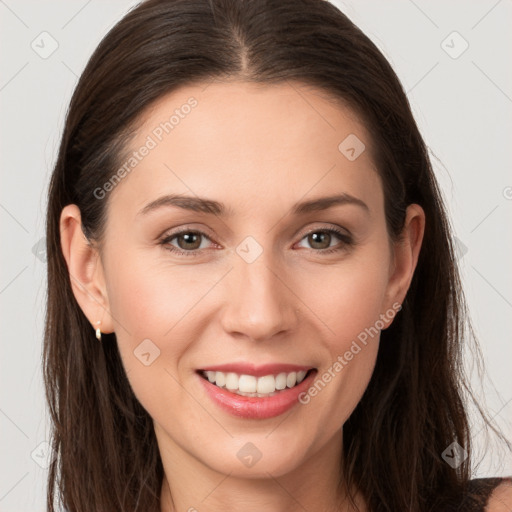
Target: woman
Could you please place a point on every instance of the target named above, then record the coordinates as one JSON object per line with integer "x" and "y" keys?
{"x": 253, "y": 298}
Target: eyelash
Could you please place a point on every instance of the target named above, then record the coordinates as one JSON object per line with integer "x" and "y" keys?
{"x": 346, "y": 241}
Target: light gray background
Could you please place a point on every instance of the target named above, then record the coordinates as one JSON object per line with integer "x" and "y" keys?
{"x": 463, "y": 106}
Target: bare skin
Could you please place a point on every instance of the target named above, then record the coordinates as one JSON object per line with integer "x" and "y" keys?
{"x": 259, "y": 150}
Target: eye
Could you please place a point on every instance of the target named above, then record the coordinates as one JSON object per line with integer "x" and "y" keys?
{"x": 320, "y": 240}
{"x": 189, "y": 242}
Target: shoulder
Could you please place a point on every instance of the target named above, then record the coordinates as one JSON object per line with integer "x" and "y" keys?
{"x": 500, "y": 500}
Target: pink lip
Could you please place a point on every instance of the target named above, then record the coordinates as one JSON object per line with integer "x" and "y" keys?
{"x": 257, "y": 371}
{"x": 254, "y": 407}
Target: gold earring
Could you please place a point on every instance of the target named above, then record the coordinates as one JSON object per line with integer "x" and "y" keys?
{"x": 98, "y": 332}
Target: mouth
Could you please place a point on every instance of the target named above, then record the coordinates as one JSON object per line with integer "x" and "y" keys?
{"x": 256, "y": 393}
{"x": 250, "y": 385}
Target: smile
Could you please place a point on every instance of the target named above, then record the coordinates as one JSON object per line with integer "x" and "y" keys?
{"x": 250, "y": 385}
{"x": 256, "y": 393}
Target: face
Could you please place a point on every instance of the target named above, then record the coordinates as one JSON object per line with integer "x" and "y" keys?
{"x": 267, "y": 280}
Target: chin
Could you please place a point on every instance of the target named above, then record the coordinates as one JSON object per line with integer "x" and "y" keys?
{"x": 254, "y": 459}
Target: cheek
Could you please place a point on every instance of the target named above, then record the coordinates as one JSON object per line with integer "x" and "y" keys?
{"x": 154, "y": 299}
{"x": 349, "y": 296}
{"x": 150, "y": 304}
{"x": 150, "y": 295}
{"x": 349, "y": 304}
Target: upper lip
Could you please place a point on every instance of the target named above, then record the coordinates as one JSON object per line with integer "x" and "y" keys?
{"x": 257, "y": 371}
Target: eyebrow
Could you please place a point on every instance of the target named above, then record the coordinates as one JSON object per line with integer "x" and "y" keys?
{"x": 209, "y": 206}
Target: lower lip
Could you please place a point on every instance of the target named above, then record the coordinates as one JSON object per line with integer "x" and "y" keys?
{"x": 252, "y": 407}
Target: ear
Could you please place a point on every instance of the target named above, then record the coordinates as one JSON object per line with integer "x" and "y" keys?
{"x": 405, "y": 257}
{"x": 85, "y": 270}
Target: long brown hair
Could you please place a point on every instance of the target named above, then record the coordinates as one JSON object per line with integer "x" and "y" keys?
{"x": 415, "y": 404}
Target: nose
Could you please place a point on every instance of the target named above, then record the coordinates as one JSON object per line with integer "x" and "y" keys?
{"x": 259, "y": 303}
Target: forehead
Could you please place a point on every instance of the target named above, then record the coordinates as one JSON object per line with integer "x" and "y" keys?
{"x": 247, "y": 141}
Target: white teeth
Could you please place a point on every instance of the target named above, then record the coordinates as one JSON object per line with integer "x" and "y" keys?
{"x": 231, "y": 381}
{"x": 266, "y": 384}
{"x": 301, "y": 375}
{"x": 291, "y": 379}
{"x": 249, "y": 385}
{"x": 220, "y": 379}
{"x": 281, "y": 381}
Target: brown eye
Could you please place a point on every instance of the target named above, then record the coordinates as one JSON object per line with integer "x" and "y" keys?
{"x": 186, "y": 243}
{"x": 319, "y": 240}
{"x": 190, "y": 240}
